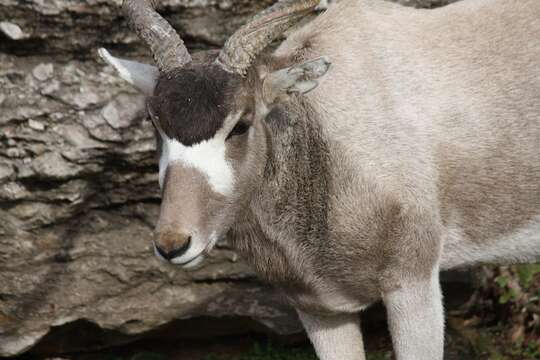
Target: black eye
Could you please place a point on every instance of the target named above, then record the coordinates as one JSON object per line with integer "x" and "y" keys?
{"x": 239, "y": 129}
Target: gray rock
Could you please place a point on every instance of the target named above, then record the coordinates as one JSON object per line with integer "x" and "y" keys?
{"x": 12, "y": 31}
{"x": 123, "y": 110}
{"x": 36, "y": 125}
{"x": 104, "y": 271}
{"x": 43, "y": 72}
{"x": 50, "y": 88}
{"x": 78, "y": 137}
{"x": 52, "y": 165}
{"x": 85, "y": 98}
{"x": 6, "y": 171}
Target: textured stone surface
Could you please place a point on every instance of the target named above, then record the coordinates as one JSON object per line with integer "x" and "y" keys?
{"x": 78, "y": 180}
{"x": 12, "y": 31}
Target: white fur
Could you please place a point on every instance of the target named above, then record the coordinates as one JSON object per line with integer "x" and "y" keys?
{"x": 339, "y": 302}
{"x": 519, "y": 247}
{"x": 416, "y": 319}
{"x": 335, "y": 337}
{"x": 194, "y": 263}
{"x": 207, "y": 156}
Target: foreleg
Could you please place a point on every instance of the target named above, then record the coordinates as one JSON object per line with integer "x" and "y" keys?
{"x": 335, "y": 337}
{"x": 416, "y": 319}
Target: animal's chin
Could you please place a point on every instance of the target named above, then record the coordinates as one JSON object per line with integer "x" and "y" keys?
{"x": 196, "y": 261}
{"x": 190, "y": 263}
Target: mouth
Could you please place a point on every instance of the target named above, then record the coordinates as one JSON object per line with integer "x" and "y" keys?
{"x": 197, "y": 260}
{"x": 193, "y": 260}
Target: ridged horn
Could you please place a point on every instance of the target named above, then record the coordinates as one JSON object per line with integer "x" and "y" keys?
{"x": 166, "y": 45}
{"x": 247, "y": 43}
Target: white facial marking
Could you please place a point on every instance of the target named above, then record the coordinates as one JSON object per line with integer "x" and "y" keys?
{"x": 207, "y": 156}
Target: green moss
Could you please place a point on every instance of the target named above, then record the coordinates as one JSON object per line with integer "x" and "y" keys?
{"x": 527, "y": 273}
{"x": 529, "y": 350}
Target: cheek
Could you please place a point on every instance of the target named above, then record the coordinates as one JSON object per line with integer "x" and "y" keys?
{"x": 248, "y": 158}
{"x": 237, "y": 151}
{"x": 208, "y": 157}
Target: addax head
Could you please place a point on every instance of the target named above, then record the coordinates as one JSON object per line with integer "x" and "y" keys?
{"x": 208, "y": 112}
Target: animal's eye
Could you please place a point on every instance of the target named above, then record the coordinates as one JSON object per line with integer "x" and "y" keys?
{"x": 240, "y": 128}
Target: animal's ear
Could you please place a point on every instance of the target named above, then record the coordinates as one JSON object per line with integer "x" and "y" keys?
{"x": 297, "y": 79}
{"x": 141, "y": 76}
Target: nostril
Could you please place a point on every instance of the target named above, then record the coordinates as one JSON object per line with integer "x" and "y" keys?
{"x": 181, "y": 250}
{"x": 169, "y": 255}
{"x": 164, "y": 254}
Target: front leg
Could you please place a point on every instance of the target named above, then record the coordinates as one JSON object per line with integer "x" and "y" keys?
{"x": 335, "y": 337}
{"x": 416, "y": 319}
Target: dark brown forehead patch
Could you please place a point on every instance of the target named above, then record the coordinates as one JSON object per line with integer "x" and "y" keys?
{"x": 190, "y": 104}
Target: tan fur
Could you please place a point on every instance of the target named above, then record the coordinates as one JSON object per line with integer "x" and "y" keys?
{"x": 419, "y": 150}
{"x": 190, "y": 197}
{"x": 428, "y": 119}
{"x": 442, "y": 107}
{"x": 418, "y": 132}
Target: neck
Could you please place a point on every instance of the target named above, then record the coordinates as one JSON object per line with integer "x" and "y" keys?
{"x": 288, "y": 216}
{"x": 297, "y": 174}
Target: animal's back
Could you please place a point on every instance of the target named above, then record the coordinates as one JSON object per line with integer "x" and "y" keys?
{"x": 438, "y": 106}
